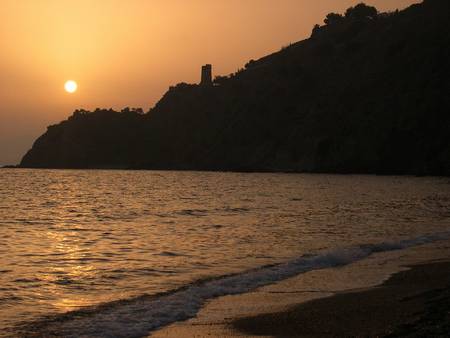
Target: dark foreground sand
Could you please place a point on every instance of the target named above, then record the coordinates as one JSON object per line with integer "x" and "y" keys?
{"x": 413, "y": 303}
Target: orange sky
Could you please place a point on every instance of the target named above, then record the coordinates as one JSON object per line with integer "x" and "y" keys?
{"x": 127, "y": 53}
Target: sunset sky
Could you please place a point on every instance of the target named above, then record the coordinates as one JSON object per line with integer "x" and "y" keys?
{"x": 127, "y": 53}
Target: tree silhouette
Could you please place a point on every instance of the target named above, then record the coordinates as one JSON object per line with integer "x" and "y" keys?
{"x": 361, "y": 11}
{"x": 250, "y": 64}
{"x": 220, "y": 80}
{"x": 333, "y": 18}
{"x": 315, "y": 30}
{"x": 138, "y": 111}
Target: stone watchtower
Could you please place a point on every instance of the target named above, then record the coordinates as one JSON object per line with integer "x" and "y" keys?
{"x": 206, "y": 75}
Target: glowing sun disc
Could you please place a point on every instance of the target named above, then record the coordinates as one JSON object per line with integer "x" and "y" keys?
{"x": 70, "y": 86}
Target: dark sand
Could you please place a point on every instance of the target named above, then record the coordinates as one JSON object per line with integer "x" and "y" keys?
{"x": 413, "y": 303}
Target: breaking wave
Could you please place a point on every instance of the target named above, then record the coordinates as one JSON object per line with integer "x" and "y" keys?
{"x": 139, "y": 316}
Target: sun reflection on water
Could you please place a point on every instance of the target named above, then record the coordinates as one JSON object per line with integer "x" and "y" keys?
{"x": 64, "y": 276}
{"x": 72, "y": 239}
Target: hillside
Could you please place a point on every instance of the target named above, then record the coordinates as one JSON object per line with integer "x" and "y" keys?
{"x": 366, "y": 93}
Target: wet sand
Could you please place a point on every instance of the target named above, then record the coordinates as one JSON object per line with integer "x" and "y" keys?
{"x": 380, "y": 300}
{"x": 413, "y": 303}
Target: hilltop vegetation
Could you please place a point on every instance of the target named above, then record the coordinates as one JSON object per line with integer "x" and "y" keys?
{"x": 368, "y": 92}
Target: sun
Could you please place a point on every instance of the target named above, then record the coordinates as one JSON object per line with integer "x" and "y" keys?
{"x": 70, "y": 86}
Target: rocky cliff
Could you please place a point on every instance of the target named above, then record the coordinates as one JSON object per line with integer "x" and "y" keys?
{"x": 368, "y": 92}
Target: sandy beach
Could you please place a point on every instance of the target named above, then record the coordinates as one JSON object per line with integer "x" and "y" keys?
{"x": 413, "y": 303}
{"x": 392, "y": 294}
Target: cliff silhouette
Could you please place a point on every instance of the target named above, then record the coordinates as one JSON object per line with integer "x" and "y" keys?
{"x": 368, "y": 92}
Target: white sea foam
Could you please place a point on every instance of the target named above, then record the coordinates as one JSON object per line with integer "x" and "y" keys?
{"x": 138, "y": 317}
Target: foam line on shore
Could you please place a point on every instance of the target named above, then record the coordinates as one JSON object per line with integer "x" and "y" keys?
{"x": 139, "y": 316}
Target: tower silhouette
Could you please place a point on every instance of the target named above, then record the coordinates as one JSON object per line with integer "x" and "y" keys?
{"x": 206, "y": 79}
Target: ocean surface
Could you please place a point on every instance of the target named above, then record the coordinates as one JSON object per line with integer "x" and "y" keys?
{"x": 122, "y": 253}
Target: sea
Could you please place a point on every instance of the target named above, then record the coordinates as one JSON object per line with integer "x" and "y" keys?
{"x": 98, "y": 253}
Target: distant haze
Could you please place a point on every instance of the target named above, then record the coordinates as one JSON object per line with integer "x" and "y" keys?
{"x": 127, "y": 53}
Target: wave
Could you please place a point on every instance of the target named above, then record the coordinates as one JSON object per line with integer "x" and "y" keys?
{"x": 139, "y": 316}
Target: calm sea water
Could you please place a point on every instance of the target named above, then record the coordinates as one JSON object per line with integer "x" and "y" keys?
{"x": 76, "y": 239}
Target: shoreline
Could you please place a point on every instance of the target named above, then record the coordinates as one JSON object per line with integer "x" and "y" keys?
{"x": 413, "y": 303}
{"x": 243, "y": 171}
{"x": 272, "y": 299}
{"x": 266, "y": 312}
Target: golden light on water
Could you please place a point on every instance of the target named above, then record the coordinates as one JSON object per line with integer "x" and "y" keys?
{"x": 71, "y": 86}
